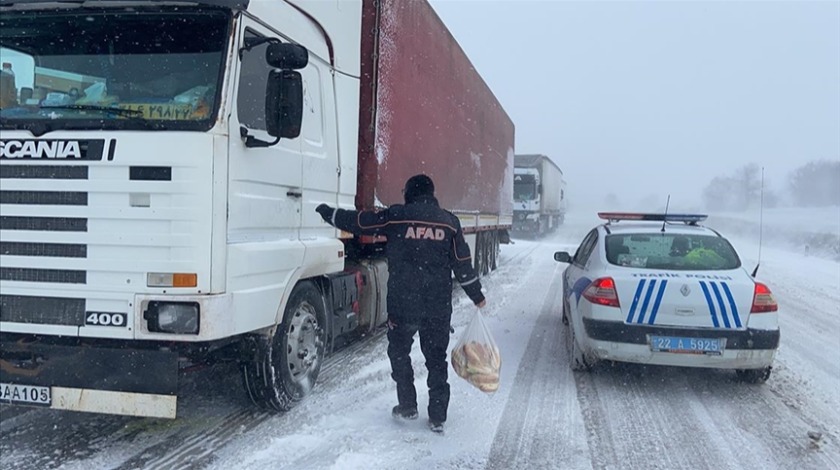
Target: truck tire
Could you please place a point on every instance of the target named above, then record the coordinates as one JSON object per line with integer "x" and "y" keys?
{"x": 285, "y": 365}
{"x": 494, "y": 251}
{"x": 479, "y": 257}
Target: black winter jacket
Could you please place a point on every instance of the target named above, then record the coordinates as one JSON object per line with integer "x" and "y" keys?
{"x": 425, "y": 245}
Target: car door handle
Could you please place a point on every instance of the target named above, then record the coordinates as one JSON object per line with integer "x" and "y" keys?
{"x": 294, "y": 193}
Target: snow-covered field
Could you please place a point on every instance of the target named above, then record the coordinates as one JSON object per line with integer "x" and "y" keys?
{"x": 542, "y": 417}
{"x": 806, "y": 231}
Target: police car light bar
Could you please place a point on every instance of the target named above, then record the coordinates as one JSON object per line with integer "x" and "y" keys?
{"x": 691, "y": 219}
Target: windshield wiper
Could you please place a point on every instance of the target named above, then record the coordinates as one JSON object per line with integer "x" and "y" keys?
{"x": 135, "y": 113}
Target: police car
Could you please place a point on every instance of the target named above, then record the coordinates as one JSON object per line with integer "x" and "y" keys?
{"x": 663, "y": 289}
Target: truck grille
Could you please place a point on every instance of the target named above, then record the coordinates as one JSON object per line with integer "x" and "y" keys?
{"x": 57, "y": 250}
{"x": 44, "y": 198}
{"x": 43, "y": 310}
{"x": 47, "y": 310}
{"x": 63, "y": 276}
{"x": 44, "y": 224}
{"x": 44, "y": 172}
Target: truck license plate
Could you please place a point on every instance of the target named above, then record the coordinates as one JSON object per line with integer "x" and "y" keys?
{"x": 677, "y": 344}
{"x": 25, "y": 394}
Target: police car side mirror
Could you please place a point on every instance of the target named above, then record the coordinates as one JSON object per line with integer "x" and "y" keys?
{"x": 562, "y": 257}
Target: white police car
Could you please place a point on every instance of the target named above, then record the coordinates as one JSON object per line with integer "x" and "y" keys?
{"x": 661, "y": 289}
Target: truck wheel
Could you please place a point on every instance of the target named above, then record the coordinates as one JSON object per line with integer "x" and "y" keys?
{"x": 494, "y": 251}
{"x": 480, "y": 255}
{"x": 285, "y": 366}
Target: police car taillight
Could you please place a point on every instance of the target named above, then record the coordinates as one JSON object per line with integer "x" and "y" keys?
{"x": 763, "y": 300}
{"x": 602, "y": 292}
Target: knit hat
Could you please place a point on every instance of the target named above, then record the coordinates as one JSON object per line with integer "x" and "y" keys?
{"x": 416, "y": 186}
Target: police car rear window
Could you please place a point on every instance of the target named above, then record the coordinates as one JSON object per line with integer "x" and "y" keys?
{"x": 671, "y": 251}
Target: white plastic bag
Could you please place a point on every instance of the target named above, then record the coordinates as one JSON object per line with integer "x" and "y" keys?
{"x": 476, "y": 357}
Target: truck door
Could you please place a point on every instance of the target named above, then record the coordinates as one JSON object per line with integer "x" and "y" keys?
{"x": 264, "y": 192}
{"x": 265, "y": 182}
{"x": 319, "y": 147}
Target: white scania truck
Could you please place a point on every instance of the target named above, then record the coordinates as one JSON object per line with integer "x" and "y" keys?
{"x": 160, "y": 162}
{"x": 539, "y": 195}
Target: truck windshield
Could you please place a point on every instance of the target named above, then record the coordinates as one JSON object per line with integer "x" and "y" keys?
{"x": 111, "y": 69}
{"x": 524, "y": 188}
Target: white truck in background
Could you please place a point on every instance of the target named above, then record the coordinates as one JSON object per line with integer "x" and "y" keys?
{"x": 539, "y": 195}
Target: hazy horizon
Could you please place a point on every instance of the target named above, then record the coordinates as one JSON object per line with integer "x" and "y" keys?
{"x": 647, "y": 99}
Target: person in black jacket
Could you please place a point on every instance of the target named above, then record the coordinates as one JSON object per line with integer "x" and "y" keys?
{"x": 425, "y": 244}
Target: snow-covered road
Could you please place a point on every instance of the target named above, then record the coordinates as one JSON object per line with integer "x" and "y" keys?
{"x": 542, "y": 417}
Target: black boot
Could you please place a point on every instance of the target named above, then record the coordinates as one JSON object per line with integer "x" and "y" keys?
{"x": 404, "y": 412}
{"x": 436, "y": 426}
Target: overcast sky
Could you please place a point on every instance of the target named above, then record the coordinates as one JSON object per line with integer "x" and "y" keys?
{"x": 645, "y": 99}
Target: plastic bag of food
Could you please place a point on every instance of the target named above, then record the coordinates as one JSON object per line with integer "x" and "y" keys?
{"x": 476, "y": 357}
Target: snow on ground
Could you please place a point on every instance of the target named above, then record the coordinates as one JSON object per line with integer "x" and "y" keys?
{"x": 357, "y": 431}
{"x": 543, "y": 416}
{"x": 807, "y": 231}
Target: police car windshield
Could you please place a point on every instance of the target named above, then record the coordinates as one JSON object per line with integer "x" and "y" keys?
{"x": 68, "y": 68}
{"x": 674, "y": 251}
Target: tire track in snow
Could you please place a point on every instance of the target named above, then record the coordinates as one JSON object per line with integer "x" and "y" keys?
{"x": 665, "y": 417}
{"x": 194, "y": 446}
{"x": 643, "y": 417}
{"x": 759, "y": 427}
{"x": 541, "y": 426}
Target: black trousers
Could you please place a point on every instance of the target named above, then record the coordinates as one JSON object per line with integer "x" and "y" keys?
{"x": 434, "y": 339}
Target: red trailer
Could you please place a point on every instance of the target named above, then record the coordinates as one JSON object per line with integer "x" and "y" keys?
{"x": 425, "y": 109}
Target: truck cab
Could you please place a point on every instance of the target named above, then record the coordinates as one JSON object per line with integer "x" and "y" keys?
{"x": 160, "y": 166}
{"x": 159, "y": 169}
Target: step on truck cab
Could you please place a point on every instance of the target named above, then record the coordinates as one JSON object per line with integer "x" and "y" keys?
{"x": 159, "y": 169}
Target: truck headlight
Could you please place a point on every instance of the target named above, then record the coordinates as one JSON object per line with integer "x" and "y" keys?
{"x": 172, "y": 317}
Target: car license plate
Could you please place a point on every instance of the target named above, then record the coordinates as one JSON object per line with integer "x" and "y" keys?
{"x": 25, "y": 394}
{"x": 682, "y": 345}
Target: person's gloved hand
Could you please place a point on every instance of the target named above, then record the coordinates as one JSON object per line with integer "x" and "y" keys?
{"x": 325, "y": 211}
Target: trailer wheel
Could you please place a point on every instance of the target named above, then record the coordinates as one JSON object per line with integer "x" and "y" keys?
{"x": 479, "y": 261}
{"x": 285, "y": 366}
{"x": 494, "y": 251}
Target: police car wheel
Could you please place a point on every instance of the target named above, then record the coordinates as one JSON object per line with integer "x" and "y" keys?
{"x": 753, "y": 376}
{"x": 577, "y": 358}
{"x": 285, "y": 366}
{"x": 565, "y": 312}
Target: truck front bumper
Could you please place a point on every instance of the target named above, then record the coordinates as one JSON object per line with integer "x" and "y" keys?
{"x": 71, "y": 375}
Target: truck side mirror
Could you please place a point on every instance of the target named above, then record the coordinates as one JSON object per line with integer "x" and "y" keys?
{"x": 286, "y": 56}
{"x": 284, "y": 104}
